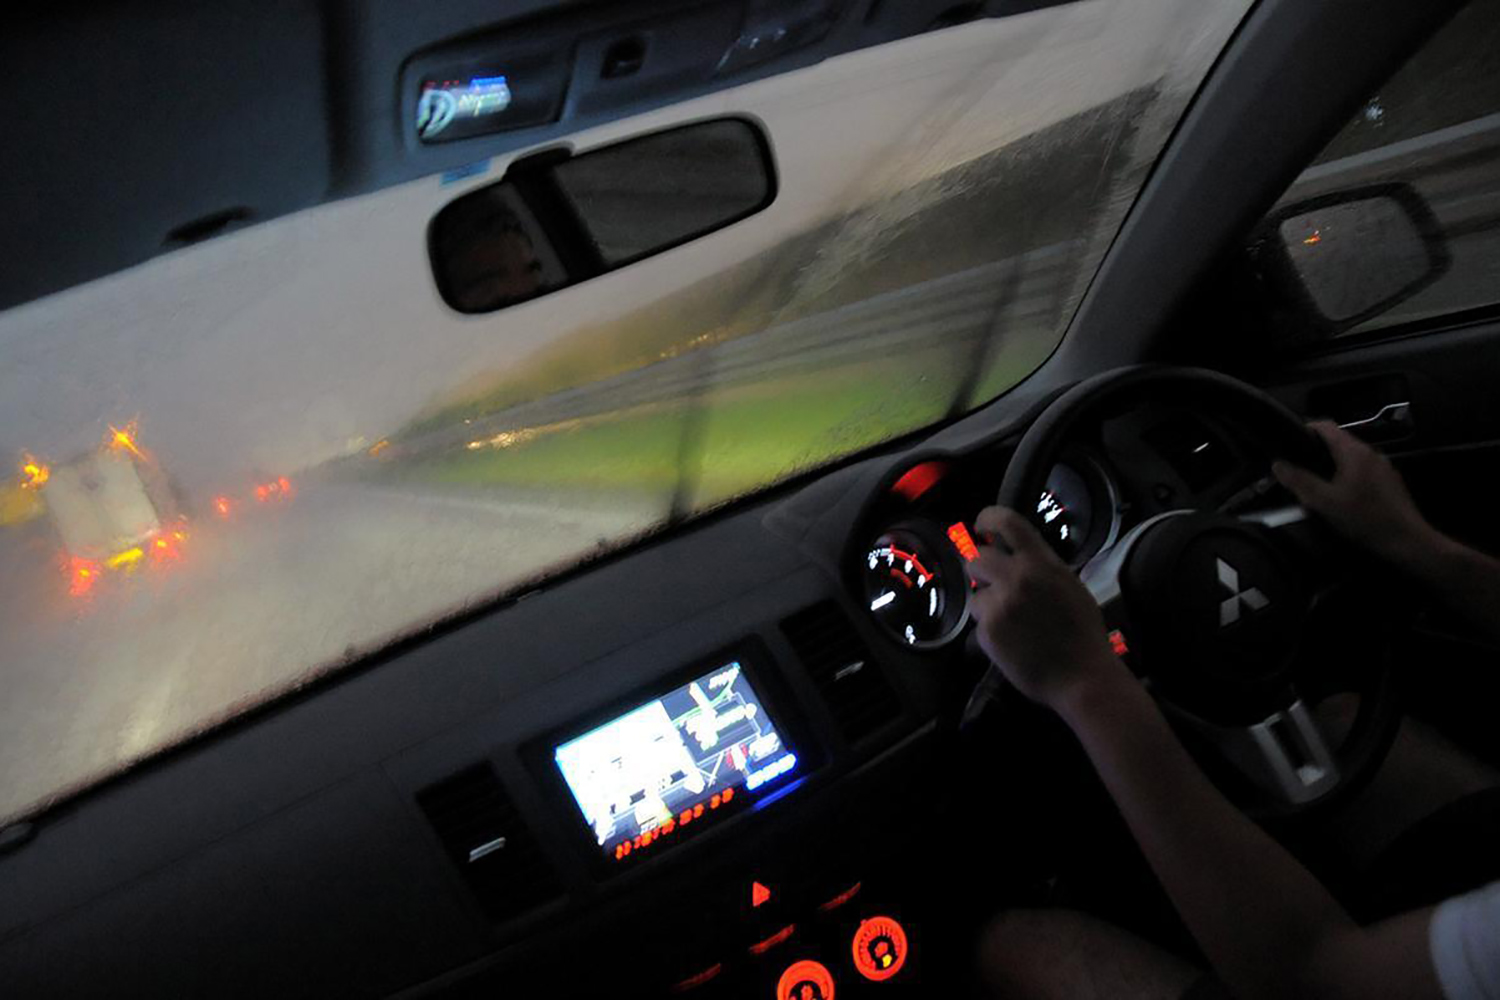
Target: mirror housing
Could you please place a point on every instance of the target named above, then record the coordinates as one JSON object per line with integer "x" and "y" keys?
{"x": 1343, "y": 258}
{"x": 556, "y": 219}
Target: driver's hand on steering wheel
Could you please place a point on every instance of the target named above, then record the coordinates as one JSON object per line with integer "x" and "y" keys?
{"x": 1366, "y": 501}
{"x": 1036, "y": 620}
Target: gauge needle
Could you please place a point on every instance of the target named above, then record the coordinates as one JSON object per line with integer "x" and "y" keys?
{"x": 882, "y": 600}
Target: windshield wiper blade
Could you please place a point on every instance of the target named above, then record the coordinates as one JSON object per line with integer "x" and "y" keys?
{"x": 985, "y": 344}
{"x": 690, "y": 441}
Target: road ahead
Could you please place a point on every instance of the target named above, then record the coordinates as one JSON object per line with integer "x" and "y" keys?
{"x": 257, "y": 604}
{"x": 278, "y": 592}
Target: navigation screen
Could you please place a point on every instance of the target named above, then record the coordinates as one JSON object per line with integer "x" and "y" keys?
{"x": 673, "y": 761}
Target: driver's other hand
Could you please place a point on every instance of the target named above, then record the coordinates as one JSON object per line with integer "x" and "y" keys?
{"x": 1037, "y": 621}
{"x": 1366, "y": 501}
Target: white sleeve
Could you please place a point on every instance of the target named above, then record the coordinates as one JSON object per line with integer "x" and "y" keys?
{"x": 1465, "y": 941}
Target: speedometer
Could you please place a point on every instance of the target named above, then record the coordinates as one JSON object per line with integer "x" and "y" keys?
{"x": 915, "y": 588}
{"x": 1066, "y": 510}
{"x": 1078, "y": 510}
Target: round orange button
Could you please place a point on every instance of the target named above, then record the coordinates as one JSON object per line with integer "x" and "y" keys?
{"x": 879, "y": 948}
{"x": 805, "y": 980}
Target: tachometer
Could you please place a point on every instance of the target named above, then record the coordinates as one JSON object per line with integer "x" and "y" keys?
{"x": 915, "y": 587}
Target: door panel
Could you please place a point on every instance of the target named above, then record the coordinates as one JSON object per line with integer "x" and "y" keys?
{"x": 1446, "y": 435}
{"x": 1448, "y": 449}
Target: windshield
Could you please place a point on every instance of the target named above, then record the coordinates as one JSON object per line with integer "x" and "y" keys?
{"x": 243, "y": 465}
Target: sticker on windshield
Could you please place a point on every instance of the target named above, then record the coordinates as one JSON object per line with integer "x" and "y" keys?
{"x": 442, "y": 103}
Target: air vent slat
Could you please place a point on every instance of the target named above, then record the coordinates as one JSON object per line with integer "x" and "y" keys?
{"x": 482, "y": 832}
{"x": 859, "y": 697}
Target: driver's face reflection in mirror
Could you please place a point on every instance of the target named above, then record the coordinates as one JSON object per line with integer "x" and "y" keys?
{"x": 492, "y": 260}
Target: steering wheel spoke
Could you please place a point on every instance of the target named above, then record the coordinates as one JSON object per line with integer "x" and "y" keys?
{"x": 1286, "y": 755}
{"x": 1320, "y": 556}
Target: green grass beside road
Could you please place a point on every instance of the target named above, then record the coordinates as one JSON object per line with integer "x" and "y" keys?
{"x": 748, "y": 436}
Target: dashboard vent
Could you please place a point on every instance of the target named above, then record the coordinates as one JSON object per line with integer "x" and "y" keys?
{"x": 859, "y": 696}
{"x": 482, "y": 832}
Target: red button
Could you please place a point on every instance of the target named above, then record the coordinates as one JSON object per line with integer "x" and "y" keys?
{"x": 879, "y": 948}
{"x": 805, "y": 980}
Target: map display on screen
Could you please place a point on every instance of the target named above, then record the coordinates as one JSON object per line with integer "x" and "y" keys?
{"x": 660, "y": 766}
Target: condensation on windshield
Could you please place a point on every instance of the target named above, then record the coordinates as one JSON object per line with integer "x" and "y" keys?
{"x": 243, "y": 465}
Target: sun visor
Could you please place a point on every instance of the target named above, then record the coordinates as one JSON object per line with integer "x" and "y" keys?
{"x": 136, "y": 135}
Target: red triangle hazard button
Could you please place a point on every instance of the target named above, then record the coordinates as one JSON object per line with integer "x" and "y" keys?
{"x": 758, "y": 894}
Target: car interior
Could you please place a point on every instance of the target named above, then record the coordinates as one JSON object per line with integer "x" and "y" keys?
{"x": 752, "y": 748}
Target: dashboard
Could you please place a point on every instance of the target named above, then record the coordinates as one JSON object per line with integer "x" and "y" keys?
{"x": 912, "y": 573}
{"x": 753, "y": 786}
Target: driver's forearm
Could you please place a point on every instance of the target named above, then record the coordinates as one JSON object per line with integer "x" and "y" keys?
{"x": 1465, "y": 580}
{"x": 1257, "y": 913}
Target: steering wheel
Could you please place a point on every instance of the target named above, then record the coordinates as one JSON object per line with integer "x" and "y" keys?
{"x": 1216, "y": 607}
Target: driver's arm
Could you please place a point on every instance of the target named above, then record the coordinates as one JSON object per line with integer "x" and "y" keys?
{"x": 1267, "y": 925}
{"x": 1367, "y": 502}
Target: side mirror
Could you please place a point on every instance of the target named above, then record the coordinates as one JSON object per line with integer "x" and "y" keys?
{"x": 556, "y": 219}
{"x": 1343, "y": 258}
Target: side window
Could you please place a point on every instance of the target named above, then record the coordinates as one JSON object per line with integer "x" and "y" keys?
{"x": 1397, "y": 221}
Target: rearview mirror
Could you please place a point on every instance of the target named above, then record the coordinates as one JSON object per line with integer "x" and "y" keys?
{"x": 1346, "y": 257}
{"x": 557, "y": 219}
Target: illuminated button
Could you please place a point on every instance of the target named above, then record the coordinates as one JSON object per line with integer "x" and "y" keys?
{"x": 765, "y": 945}
{"x": 958, "y": 534}
{"x": 759, "y": 894}
{"x": 698, "y": 979}
{"x": 879, "y": 948}
{"x": 805, "y": 980}
{"x": 835, "y": 902}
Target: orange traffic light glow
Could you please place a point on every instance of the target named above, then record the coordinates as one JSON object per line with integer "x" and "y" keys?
{"x": 124, "y": 439}
{"x": 34, "y": 472}
{"x": 83, "y": 574}
{"x": 167, "y": 546}
{"x": 275, "y": 489}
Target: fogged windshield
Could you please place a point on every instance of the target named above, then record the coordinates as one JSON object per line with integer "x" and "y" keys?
{"x": 243, "y": 465}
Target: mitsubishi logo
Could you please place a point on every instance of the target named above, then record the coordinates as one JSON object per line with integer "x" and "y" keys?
{"x": 1251, "y": 597}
